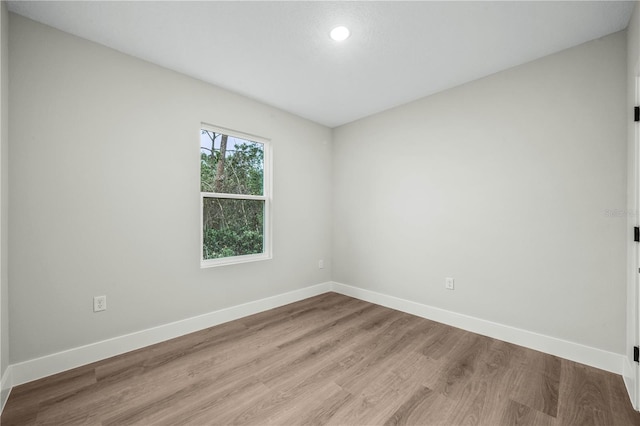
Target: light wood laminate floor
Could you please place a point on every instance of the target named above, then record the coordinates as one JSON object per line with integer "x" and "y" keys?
{"x": 329, "y": 359}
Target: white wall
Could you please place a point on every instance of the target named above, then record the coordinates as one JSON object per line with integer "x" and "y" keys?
{"x": 504, "y": 184}
{"x": 104, "y": 195}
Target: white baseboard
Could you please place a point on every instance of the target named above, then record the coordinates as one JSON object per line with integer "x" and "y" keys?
{"x": 594, "y": 357}
{"x": 5, "y": 387}
{"x": 628, "y": 375}
{"x": 38, "y": 368}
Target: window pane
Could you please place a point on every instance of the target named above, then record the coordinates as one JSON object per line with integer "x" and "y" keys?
{"x": 230, "y": 165}
{"x": 232, "y": 227}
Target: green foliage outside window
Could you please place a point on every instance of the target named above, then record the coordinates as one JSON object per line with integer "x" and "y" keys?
{"x": 228, "y": 165}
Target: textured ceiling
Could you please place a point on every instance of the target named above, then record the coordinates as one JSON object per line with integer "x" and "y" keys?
{"x": 280, "y": 53}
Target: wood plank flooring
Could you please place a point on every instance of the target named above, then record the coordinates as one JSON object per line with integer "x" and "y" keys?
{"x": 328, "y": 360}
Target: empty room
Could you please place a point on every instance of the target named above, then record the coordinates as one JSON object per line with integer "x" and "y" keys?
{"x": 341, "y": 213}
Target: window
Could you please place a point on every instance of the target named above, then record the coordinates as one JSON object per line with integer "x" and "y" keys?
{"x": 234, "y": 194}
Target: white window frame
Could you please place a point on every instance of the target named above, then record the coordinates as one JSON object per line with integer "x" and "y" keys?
{"x": 266, "y": 197}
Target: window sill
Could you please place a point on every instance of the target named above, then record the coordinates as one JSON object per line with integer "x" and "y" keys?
{"x": 212, "y": 263}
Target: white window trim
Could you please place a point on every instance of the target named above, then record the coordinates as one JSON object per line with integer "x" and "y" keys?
{"x": 266, "y": 197}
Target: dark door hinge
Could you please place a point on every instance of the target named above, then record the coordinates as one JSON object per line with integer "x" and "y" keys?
{"x": 636, "y": 234}
{"x": 636, "y": 354}
{"x": 636, "y": 113}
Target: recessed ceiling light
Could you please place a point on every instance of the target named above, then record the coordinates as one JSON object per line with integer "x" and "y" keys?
{"x": 340, "y": 33}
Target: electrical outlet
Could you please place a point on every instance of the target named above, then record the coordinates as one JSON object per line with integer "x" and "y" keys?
{"x": 321, "y": 264}
{"x": 448, "y": 283}
{"x": 99, "y": 303}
